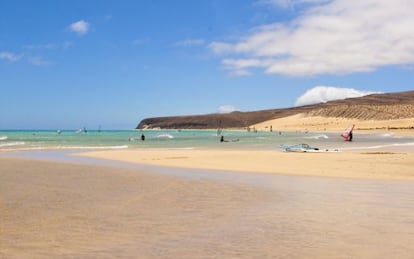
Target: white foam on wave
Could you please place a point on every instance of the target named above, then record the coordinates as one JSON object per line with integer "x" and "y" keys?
{"x": 165, "y": 136}
{"x": 92, "y": 147}
{"x": 3, "y": 137}
{"x": 387, "y": 135}
{"x": 322, "y": 136}
{"x": 12, "y": 144}
{"x": 409, "y": 144}
{"x": 17, "y": 146}
{"x": 169, "y": 148}
{"x": 181, "y": 148}
{"x": 390, "y": 135}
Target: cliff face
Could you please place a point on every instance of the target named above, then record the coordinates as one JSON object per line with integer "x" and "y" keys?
{"x": 213, "y": 121}
{"x": 208, "y": 121}
{"x": 376, "y": 106}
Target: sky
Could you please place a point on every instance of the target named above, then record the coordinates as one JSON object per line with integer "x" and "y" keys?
{"x": 99, "y": 63}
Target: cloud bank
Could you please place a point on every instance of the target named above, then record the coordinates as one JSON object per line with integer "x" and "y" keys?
{"x": 322, "y": 94}
{"x": 328, "y": 37}
{"x": 291, "y": 3}
{"x": 80, "y": 27}
{"x": 227, "y": 108}
{"x": 10, "y": 56}
{"x": 39, "y": 61}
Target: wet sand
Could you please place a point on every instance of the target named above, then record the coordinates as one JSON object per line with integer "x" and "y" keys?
{"x": 56, "y": 209}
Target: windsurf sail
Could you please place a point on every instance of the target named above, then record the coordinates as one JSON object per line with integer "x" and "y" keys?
{"x": 347, "y": 136}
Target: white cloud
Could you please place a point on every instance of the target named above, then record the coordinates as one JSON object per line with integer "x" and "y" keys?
{"x": 240, "y": 72}
{"x": 335, "y": 37}
{"x": 237, "y": 67}
{"x": 227, "y": 108}
{"x": 39, "y": 61}
{"x": 80, "y": 27}
{"x": 190, "y": 42}
{"x": 40, "y": 46}
{"x": 291, "y": 3}
{"x": 322, "y": 94}
{"x": 10, "y": 56}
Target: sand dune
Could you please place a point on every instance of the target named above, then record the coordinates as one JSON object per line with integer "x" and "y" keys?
{"x": 313, "y": 122}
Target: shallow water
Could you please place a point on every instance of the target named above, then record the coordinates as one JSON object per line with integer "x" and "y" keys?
{"x": 298, "y": 217}
{"x": 307, "y": 217}
{"x": 189, "y": 139}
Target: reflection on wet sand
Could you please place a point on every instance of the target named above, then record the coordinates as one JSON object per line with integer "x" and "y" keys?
{"x": 57, "y": 209}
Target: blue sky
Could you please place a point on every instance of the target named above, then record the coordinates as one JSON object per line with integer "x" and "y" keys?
{"x": 69, "y": 64}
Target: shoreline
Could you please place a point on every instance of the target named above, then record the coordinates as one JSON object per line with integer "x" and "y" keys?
{"x": 391, "y": 161}
{"x": 364, "y": 164}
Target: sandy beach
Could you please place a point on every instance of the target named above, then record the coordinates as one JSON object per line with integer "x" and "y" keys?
{"x": 255, "y": 129}
{"x": 51, "y": 209}
{"x": 302, "y": 122}
{"x": 209, "y": 203}
{"x": 57, "y": 209}
{"x": 367, "y": 164}
{"x": 386, "y": 163}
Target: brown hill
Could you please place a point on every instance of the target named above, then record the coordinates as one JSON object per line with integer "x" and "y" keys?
{"x": 376, "y": 106}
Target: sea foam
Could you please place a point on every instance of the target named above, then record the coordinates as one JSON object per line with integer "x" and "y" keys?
{"x": 322, "y": 136}
{"x": 165, "y": 136}
{"x": 11, "y": 144}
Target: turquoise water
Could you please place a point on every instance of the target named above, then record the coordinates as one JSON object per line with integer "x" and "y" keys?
{"x": 129, "y": 139}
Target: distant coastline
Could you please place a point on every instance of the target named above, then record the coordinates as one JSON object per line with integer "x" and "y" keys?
{"x": 390, "y": 111}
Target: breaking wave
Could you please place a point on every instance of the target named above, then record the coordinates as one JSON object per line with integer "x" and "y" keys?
{"x": 322, "y": 136}
{"x": 165, "y": 136}
{"x": 92, "y": 147}
{"x": 381, "y": 146}
{"x": 20, "y": 146}
{"x": 11, "y": 144}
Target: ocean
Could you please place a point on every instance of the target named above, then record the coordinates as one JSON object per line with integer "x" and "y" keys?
{"x": 20, "y": 140}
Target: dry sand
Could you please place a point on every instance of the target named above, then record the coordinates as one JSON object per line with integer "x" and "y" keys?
{"x": 301, "y": 122}
{"x": 364, "y": 164}
{"x": 58, "y": 210}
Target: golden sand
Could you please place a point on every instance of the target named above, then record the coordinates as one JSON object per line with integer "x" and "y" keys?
{"x": 59, "y": 210}
{"x": 53, "y": 209}
{"x": 363, "y": 164}
{"x": 391, "y": 165}
{"x": 302, "y": 122}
